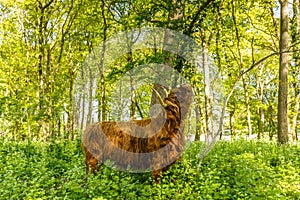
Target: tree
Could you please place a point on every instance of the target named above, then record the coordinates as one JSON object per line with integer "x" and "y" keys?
{"x": 47, "y": 90}
{"x": 294, "y": 100}
{"x": 283, "y": 73}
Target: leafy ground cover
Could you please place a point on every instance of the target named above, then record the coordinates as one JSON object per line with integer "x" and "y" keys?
{"x": 232, "y": 170}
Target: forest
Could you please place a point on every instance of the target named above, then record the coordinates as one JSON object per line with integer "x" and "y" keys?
{"x": 66, "y": 64}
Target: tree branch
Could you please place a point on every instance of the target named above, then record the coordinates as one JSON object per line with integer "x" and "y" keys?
{"x": 202, "y": 8}
{"x": 257, "y": 63}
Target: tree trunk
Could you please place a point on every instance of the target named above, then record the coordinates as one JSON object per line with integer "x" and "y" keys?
{"x": 133, "y": 103}
{"x": 120, "y": 116}
{"x": 295, "y": 71}
{"x": 282, "y": 125}
{"x": 246, "y": 95}
{"x": 90, "y": 96}
{"x": 260, "y": 91}
{"x": 70, "y": 112}
{"x": 271, "y": 124}
{"x": 241, "y": 66}
{"x": 189, "y": 123}
{"x": 198, "y": 122}
{"x": 231, "y": 124}
{"x": 41, "y": 71}
{"x": 174, "y": 23}
{"x": 293, "y": 125}
{"x": 260, "y": 123}
{"x": 207, "y": 96}
{"x": 102, "y": 97}
{"x": 132, "y": 98}
{"x": 83, "y": 107}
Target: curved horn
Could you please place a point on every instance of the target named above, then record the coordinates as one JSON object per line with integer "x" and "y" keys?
{"x": 161, "y": 101}
{"x": 164, "y": 89}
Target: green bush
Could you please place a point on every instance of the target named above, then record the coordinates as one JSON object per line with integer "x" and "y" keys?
{"x": 231, "y": 170}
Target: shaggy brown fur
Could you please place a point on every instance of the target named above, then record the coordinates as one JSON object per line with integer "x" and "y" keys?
{"x": 152, "y": 144}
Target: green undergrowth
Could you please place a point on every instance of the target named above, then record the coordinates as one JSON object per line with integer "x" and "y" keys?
{"x": 231, "y": 170}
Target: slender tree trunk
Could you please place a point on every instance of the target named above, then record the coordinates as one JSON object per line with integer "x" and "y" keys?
{"x": 294, "y": 123}
{"x": 132, "y": 98}
{"x": 260, "y": 91}
{"x": 282, "y": 126}
{"x": 83, "y": 99}
{"x": 102, "y": 100}
{"x": 121, "y": 104}
{"x": 70, "y": 107}
{"x": 40, "y": 46}
{"x": 207, "y": 96}
{"x": 76, "y": 111}
{"x": 261, "y": 123}
{"x": 231, "y": 124}
{"x": 90, "y": 97}
{"x": 189, "y": 124}
{"x": 198, "y": 122}
{"x": 246, "y": 95}
{"x": 133, "y": 102}
{"x": 241, "y": 66}
{"x": 174, "y": 23}
{"x": 27, "y": 101}
{"x": 295, "y": 71}
{"x": 59, "y": 126}
{"x": 271, "y": 123}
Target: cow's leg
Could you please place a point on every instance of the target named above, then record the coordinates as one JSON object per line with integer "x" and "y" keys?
{"x": 93, "y": 162}
{"x": 90, "y": 162}
{"x": 87, "y": 168}
{"x": 156, "y": 175}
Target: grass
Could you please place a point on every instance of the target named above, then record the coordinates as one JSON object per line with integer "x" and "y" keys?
{"x": 231, "y": 170}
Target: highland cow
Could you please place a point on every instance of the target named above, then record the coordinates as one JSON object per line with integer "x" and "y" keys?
{"x": 151, "y": 144}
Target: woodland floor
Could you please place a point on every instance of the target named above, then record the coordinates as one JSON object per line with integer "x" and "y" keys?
{"x": 232, "y": 170}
